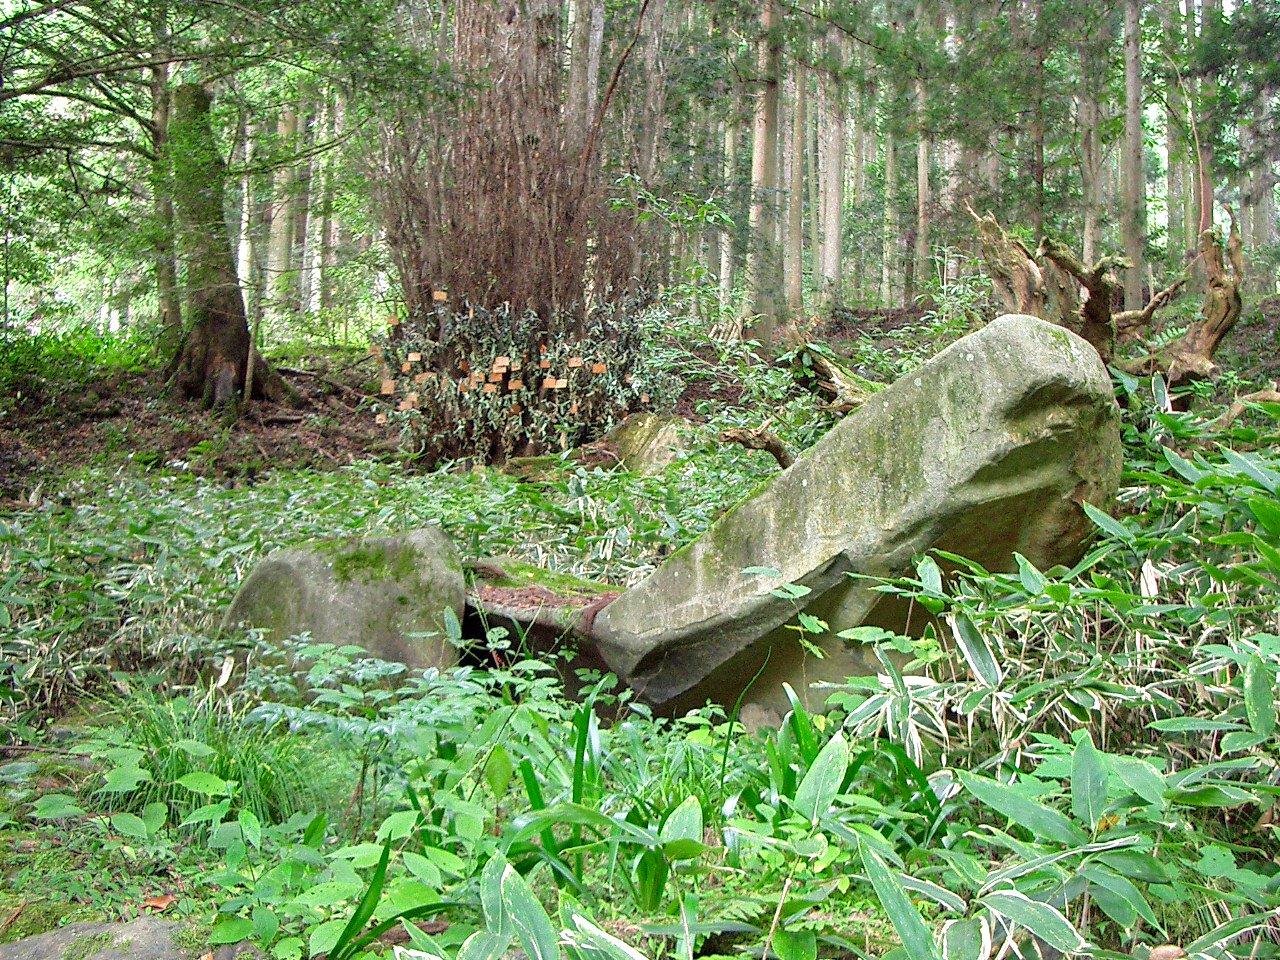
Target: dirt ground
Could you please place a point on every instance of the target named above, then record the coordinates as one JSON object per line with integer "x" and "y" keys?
{"x": 53, "y": 427}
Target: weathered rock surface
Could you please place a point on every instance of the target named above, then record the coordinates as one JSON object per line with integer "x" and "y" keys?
{"x": 988, "y": 449}
{"x": 387, "y": 594}
{"x": 648, "y": 443}
{"x": 146, "y": 938}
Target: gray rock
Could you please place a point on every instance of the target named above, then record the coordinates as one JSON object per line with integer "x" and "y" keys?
{"x": 988, "y": 449}
{"x": 648, "y": 443}
{"x": 146, "y": 938}
{"x": 378, "y": 592}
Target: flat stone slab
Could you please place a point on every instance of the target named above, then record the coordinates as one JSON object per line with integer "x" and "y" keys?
{"x": 146, "y": 938}
{"x": 988, "y": 449}
{"x": 387, "y": 594}
{"x": 524, "y": 593}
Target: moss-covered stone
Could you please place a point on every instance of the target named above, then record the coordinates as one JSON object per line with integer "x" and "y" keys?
{"x": 386, "y": 594}
{"x": 987, "y": 450}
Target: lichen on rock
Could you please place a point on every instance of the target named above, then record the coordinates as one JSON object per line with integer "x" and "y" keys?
{"x": 987, "y": 450}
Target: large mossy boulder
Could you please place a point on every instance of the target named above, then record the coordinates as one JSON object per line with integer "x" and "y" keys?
{"x": 387, "y": 594}
{"x": 987, "y": 450}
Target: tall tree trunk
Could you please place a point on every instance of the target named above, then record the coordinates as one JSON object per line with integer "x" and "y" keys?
{"x": 762, "y": 254}
{"x": 584, "y": 68}
{"x": 730, "y": 178}
{"x": 889, "y": 258}
{"x": 793, "y": 262}
{"x": 1133, "y": 208}
{"x": 1090, "y": 115}
{"x": 832, "y": 170}
{"x": 1175, "y": 107}
{"x": 217, "y": 352}
{"x": 924, "y": 196}
{"x": 166, "y": 267}
{"x": 280, "y": 276}
{"x": 813, "y": 152}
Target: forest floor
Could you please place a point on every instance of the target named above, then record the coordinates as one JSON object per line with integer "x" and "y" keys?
{"x": 127, "y": 520}
{"x": 52, "y": 425}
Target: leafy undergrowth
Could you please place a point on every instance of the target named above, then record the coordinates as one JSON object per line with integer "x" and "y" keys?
{"x": 1084, "y": 761}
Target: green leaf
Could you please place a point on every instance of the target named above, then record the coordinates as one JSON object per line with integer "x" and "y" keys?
{"x": 821, "y": 784}
{"x": 265, "y": 924}
{"x": 967, "y": 939}
{"x": 1192, "y": 725}
{"x": 1088, "y": 782}
{"x": 916, "y": 939}
{"x": 421, "y": 867}
{"x": 509, "y": 904}
{"x": 1267, "y": 512}
{"x": 1259, "y": 697}
{"x": 200, "y": 781}
{"x": 498, "y": 771}
{"x": 55, "y": 806}
{"x": 1141, "y": 777}
{"x": 1043, "y": 822}
{"x": 231, "y": 930}
{"x": 683, "y": 824}
{"x": 1042, "y": 920}
{"x": 251, "y": 827}
{"x": 587, "y": 934}
{"x": 154, "y": 816}
{"x": 129, "y": 825}
{"x": 125, "y": 779}
{"x": 398, "y": 825}
{"x": 195, "y": 748}
{"x": 1111, "y": 526}
{"x": 977, "y": 653}
{"x": 331, "y": 893}
{"x": 325, "y": 937}
{"x": 797, "y": 945}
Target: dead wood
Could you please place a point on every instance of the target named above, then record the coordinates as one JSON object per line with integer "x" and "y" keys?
{"x": 1241, "y": 403}
{"x": 1192, "y": 357}
{"x": 761, "y": 438}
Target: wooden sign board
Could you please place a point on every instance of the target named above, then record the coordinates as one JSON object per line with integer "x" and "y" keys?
{"x": 388, "y": 387}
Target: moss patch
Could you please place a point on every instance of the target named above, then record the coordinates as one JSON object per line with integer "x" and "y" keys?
{"x": 84, "y": 947}
{"x": 521, "y": 574}
{"x": 373, "y": 562}
{"x": 37, "y": 917}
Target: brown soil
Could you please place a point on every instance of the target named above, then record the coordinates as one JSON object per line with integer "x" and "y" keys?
{"x": 533, "y": 597}
{"x": 51, "y": 427}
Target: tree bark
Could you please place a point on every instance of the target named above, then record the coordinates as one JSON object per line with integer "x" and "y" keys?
{"x": 762, "y": 254}
{"x": 168, "y": 299}
{"x": 1192, "y": 356}
{"x": 216, "y": 353}
{"x": 831, "y": 167}
{"x": 729, "y": 177}
{"x": 1090, "y": 113}
{"x": 889, "y": 258}
{"x": 1133, "y": 214}
{"x": 793, "y": 263}
{"x": 924, "y": 197}
{"x": 280, "y": 276}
